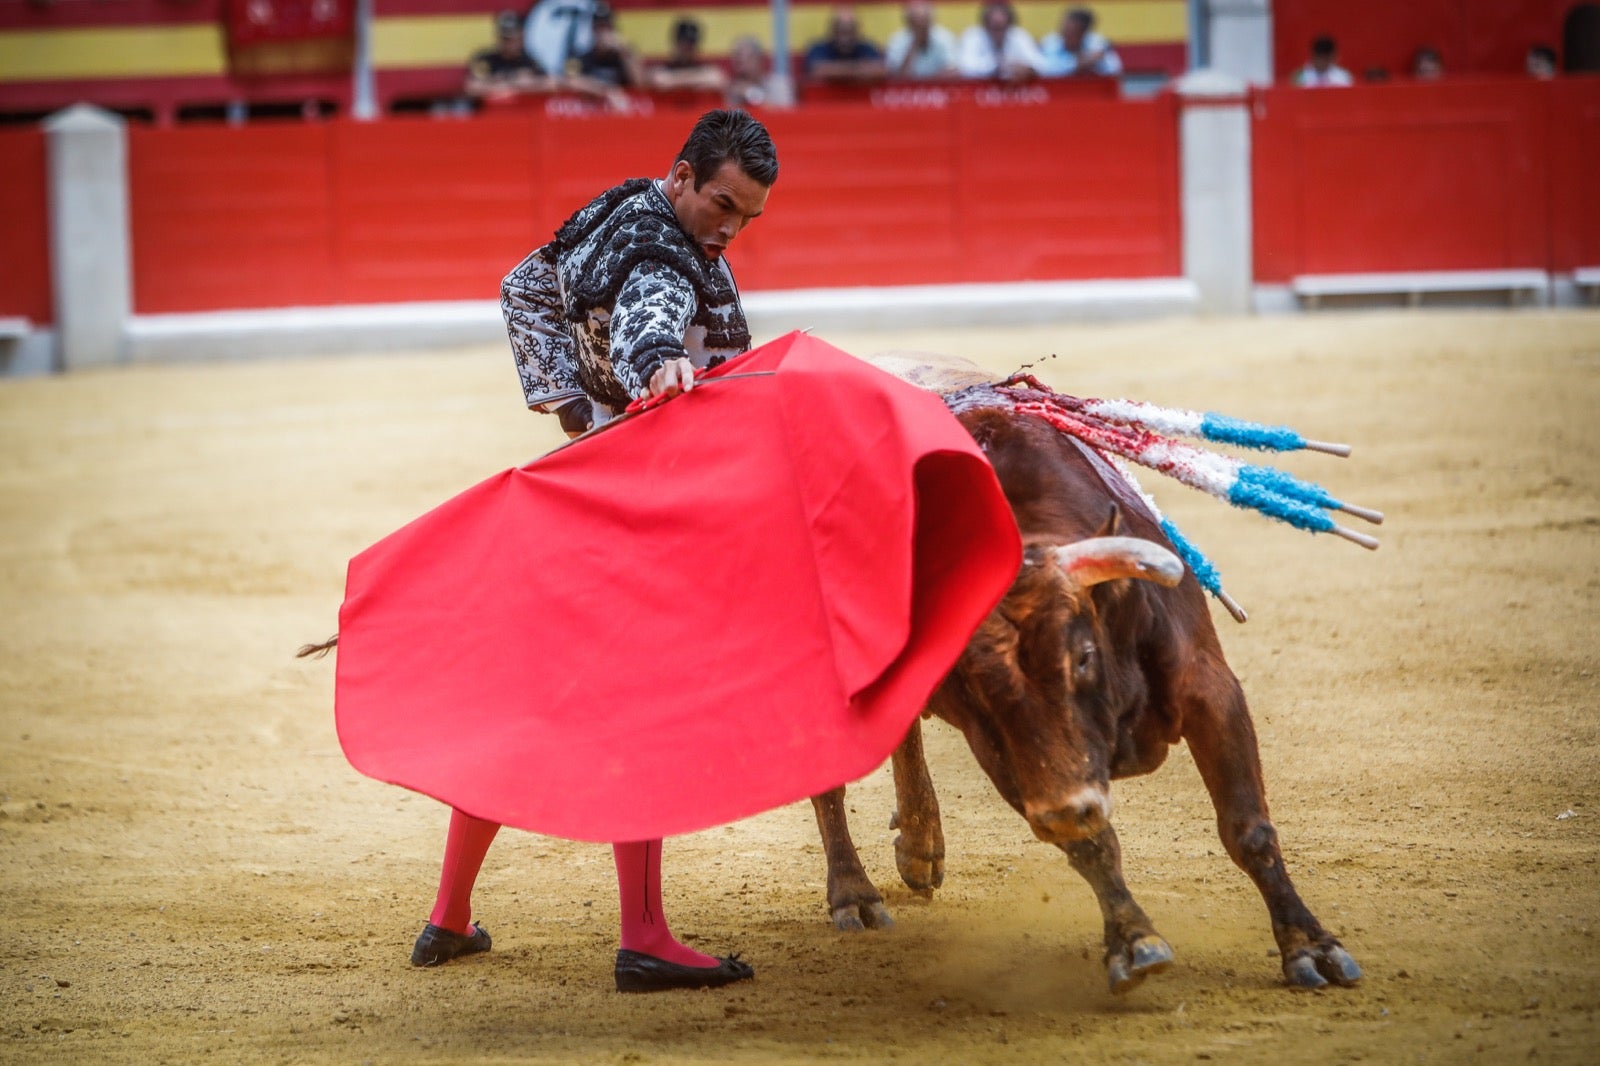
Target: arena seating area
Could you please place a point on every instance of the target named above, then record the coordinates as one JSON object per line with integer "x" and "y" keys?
{"x": 1486, "y": 175}
{"x": 171, "y": 62}
{"x": 1470, "y": 184}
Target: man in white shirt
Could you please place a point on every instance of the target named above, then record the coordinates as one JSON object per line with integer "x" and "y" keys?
{"x": 998, "y": 48}
{"x": 1077, "y": 49}
{"x": 1323, "y": 69}
{"x": 920, "y": 49}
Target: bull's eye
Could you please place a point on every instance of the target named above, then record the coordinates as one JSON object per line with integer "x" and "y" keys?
{"x": 1084, "y": 658}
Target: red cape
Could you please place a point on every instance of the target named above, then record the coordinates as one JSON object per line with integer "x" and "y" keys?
{"x": 730, "y": 602}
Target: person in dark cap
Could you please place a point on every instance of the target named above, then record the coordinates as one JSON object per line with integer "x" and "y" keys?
{"x": 1541, "y": 62}
{"x": 685, "y": 68}
{"x": 506, "y": 69}
{"x": 1323, "y": 69}
{"x": 844, "y": 55}
{"x": 610, "y": 66}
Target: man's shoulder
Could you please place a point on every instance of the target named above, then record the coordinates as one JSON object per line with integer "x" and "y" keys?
{"x": 615, "y": 205}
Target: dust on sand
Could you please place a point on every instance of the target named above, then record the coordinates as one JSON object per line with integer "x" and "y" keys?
{"x": 189, "y": 870}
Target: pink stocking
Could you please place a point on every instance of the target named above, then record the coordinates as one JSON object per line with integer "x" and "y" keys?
{"x": 464, "y": 850}
{"x": 644, "y": 926}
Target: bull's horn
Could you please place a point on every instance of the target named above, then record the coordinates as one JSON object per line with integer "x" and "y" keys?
{"x": 1098, "y": 559}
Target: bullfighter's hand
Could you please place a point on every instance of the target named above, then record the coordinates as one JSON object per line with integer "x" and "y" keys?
{"x": 577, "y": 417}
{"x": 672, "y": 377}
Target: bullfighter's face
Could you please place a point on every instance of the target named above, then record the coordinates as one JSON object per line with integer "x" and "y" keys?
{"x": 716, "y": 212}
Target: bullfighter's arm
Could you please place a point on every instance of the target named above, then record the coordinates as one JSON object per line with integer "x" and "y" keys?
{"x": 653, "y": 310}
{"x": 541, "y": 343}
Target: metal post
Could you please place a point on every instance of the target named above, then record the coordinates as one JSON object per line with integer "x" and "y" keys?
{"x": 780, "y": 86}
{"x": 1199, "y": 34}
{"x": 363, "y": 100}
{"x": 90, "y": 255}
{"x": 1214, "y": 132}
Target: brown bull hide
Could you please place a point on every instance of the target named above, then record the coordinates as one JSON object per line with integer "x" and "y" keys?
{"x": 1080, "y": 676}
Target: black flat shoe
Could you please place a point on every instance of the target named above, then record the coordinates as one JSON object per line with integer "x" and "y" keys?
{"x": 646, "y": 973}
{"x": 437, "y": 945}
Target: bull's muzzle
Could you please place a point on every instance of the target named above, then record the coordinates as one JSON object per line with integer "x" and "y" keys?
{"x": 1084, "y": 814}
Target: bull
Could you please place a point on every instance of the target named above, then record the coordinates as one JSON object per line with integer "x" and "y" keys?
{"x": 1100, "y": 657}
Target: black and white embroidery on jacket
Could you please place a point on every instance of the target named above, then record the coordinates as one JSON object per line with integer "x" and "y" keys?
{"x": 619, "y": 290}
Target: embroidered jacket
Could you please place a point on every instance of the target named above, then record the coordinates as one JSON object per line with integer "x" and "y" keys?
{"x": 618, "y": 291}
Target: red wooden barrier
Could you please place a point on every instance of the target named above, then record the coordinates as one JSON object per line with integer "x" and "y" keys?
{"x": 1091, "y": 191}
{"x": 1448, "y": 176}
{"x": 24, "y": 226}
{"x": 432, "y": 210}
{"x": 1574, "y": 125}
{"x": 937, "y": 93}
{"x": 1472, "y": 36}
{"x": 342, "y": 212}
{"x": 231, "y": 218}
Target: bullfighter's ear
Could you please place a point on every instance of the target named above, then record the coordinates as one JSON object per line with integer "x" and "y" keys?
{"x": 1113, "y": 526}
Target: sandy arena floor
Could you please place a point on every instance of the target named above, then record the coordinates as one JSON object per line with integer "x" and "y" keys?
{"x": 190, "y": 871}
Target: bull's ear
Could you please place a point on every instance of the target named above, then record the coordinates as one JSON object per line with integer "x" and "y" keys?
{"x": 1113, "y": 526}
{"x": 1089, "y": 562}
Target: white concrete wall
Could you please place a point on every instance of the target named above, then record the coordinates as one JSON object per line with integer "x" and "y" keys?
{"x": 89, "y": 235}
{"x": 1214, "y": 134}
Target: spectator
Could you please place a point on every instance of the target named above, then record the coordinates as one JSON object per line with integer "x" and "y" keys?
{"x": 921, "y": 48}
{"x": 610, "y": 66}
{"x": 1323, "y": 68}
{"x": 747, "y": 86}
{"x": 1580, "y": 40}
{"x": 844, "y": 55}
{"x": 997, "y": 47}
{"x": 1077, "y": 49}
{"x": 685, "y": 67}
{"x": 1426, "y": 64}
{"x": 506, "y": 69}
{"x": 1541, "y": 62}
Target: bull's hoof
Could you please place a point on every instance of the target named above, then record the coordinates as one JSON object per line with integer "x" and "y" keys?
{"x": 1126, "y": 969}
{"x": 921, "y": 873}
{"x": 859, "y": 917}
{"x": 1319, "y": 967}
{"x": 1301, "y": 972}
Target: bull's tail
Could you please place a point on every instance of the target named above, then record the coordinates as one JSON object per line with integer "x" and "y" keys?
{"x": 317, "y": 650}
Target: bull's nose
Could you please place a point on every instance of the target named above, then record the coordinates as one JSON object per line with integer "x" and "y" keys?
{"x": 1081, "y": 815}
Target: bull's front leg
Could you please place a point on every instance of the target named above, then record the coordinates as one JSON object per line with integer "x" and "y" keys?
{"x": 1134, "y": 950}
{"x": 1223, "y": 743}
{"x": 853, "y": 899}
{"x": 919, "y": 849}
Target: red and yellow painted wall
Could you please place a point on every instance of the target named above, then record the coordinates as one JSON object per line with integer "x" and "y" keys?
{"x": 157, "y": 57}
{"x": 160, "y": 56}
